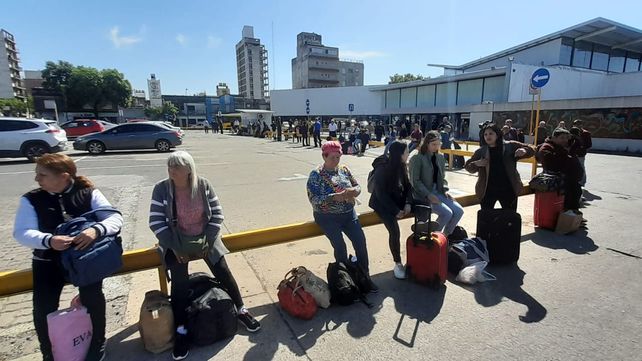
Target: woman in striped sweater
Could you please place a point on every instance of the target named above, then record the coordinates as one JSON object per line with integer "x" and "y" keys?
{"x": 184, "y": 206}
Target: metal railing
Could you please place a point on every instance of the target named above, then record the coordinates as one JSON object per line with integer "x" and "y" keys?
{"x": 19, "y": 281}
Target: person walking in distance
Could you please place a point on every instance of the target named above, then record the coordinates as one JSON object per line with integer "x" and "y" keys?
{"x": 580, "y": 144}
{"x": 392, "y": 197}
{"x": 317, "y": 133}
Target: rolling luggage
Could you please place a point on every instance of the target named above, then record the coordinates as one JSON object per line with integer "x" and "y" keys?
{"x": 501, "y": 229}
{"x": 426, "y": 251}
{"x": 548, "y": 206}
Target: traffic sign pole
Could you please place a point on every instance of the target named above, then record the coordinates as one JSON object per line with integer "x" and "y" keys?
{"x": 539, "y": 98}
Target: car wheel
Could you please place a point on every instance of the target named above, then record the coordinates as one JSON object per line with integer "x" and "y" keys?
{"x": 95, "y": 147}
{"x": 163, "y": 146}
{"x": 35, "y": 150}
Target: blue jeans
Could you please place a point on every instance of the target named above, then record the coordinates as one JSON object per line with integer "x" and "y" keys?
{"x": 334, "y": 225}
{"x": 449, "y": 212}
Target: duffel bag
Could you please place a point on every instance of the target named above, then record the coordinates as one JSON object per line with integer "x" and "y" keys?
{"x": 294, "y": 299}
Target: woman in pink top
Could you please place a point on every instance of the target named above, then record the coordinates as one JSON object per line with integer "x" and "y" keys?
{"x": 185, "y": 207}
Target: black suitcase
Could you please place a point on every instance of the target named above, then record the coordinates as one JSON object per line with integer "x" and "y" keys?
{"x": 502, "y": 230}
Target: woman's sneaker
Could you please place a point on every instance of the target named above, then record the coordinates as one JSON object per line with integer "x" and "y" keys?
{"x": 181, "y": 347}
{"x": 399, "y": 271}
{"x": 250, "y": 323}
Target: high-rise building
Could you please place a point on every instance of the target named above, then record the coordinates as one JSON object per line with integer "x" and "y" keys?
{"x": 138, "y": 98}
{"x": 10, "y": 81}
{"x": 318, "y": 66}
{"x": 252, "y": 66}
{"x": 222, "y": 89}
{"x": 155, "y": 94}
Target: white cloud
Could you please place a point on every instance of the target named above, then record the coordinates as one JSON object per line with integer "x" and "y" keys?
{"x": 181, "y": 39}
{"x": 356, "y": 54}
{"x": 213, "y": 41}
{"x": 120, "y": 41}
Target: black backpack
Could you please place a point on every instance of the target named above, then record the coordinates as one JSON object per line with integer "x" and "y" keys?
{"x": 343, "y": 289}
{"x": 212, "y": 315}
{"x": 359, "y": 276}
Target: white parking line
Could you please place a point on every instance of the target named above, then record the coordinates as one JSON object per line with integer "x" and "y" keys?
{"x": 119, "y": 167}
{"x": 79, "y": 159}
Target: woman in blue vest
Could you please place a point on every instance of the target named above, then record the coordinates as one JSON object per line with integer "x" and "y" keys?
{"x": 62, "y": 195}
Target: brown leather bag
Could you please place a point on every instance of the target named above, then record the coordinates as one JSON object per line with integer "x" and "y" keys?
{"x": 156, "y": 322}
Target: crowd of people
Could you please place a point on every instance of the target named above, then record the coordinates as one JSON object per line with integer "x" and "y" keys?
{"x": 184, "y": 209}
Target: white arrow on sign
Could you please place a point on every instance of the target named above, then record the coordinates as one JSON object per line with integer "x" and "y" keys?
{"x": 540, "y": 77}
{"x": 296, "y": 177}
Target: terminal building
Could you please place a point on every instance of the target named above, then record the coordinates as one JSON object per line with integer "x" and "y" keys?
{"x": 595, "y": 75}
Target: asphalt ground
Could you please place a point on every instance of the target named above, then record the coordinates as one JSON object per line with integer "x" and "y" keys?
{"x": 569, "y": 297}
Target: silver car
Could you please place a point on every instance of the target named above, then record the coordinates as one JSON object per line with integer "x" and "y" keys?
{"x": 140, "y": 135}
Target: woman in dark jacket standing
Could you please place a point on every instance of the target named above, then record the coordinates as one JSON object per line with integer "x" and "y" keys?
{"x": 392, "y": 197}
{"x": 496, "y": 162}
{"x": 62, "y": 195}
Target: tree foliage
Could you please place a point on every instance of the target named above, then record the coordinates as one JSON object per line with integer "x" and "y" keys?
{"x": 13, "y": 107}
{"x": 398, "y": 78}
{"x": 83, "y": 87}
{"x": 166, "y": 112}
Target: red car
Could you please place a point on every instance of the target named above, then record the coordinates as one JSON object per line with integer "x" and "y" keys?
{"x": 80, "y": 127}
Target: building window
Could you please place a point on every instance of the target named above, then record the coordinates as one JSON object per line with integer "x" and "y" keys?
{"x": 566, "y": 51}
{"x": 582, "y": 54}
{"x": 632, "y": 62}
{"x": 616, "y": 61}
{"x": 600, "y": 57}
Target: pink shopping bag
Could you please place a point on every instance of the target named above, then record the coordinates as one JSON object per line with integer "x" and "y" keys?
{"x": 70, "y": 332}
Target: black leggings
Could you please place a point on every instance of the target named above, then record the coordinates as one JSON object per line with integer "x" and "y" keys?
{"x": 48, "y": 281}
{"x": 179, "y": 284}
{"x": 506, "y": 198}
{"x": 572, "y": 194}
{"x": 394, "y": 235}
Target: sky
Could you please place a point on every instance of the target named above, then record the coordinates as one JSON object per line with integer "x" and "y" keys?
{"x": 190, "y": 45}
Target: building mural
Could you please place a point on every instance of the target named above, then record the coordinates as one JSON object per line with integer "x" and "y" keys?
{"x": 602, "y": 123}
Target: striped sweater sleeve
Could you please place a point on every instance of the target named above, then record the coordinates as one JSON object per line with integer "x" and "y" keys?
{"x": 158, "y": 221}
{"x": 215, "y": 222}
{"x": 25, "y": 228}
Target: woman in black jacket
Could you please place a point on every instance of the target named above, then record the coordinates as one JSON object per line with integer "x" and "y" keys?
{"x": 62, "y": 195}
{"x": 392, "y": 196}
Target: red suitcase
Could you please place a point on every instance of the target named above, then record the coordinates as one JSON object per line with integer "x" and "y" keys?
{"x": 427, "y": 256}
{"x": 548, "y": 206}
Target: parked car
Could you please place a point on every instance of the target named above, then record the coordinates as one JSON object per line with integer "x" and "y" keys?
{"x": 80, "y": 127}
{"x": 106, "y": 124}
{"x": 138, "y": 135}
{"x": 172, "y": 127}
{"x": 31, "y": 138}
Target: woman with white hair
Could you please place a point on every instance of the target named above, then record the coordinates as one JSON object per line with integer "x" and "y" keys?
{"x": 186, "y": 217}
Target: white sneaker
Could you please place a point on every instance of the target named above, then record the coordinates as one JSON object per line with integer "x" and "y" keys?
{"x": 399, "y": 271}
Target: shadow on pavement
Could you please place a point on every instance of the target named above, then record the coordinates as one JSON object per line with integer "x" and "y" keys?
{"x": 415, "y": 303}
{"x": 589, "y": 197}
{"x": 358, "y": 318}
{"x": 510, "y": 280}
{"x": 578, "y": 242}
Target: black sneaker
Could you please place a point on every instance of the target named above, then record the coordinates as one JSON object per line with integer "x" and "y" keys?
{"x": 250, "y": 323}
{"x": 181, "y": 347}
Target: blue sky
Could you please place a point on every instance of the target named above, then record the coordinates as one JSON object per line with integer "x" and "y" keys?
{"x": 190, "y": 44}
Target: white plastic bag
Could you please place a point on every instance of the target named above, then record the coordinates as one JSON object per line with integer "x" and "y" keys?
{"x": 475, "y": 273}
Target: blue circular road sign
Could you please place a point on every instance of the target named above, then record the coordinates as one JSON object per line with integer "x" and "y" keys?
{"x": 540, "y": 77}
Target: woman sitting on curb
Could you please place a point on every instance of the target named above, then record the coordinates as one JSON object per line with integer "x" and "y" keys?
{"x": 184, "y": 207}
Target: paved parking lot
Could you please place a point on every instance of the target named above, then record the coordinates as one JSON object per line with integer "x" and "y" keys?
{"x": 570, "y": 297}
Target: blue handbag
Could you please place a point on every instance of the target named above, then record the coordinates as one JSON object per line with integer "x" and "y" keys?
{"x": 98, "y": 261}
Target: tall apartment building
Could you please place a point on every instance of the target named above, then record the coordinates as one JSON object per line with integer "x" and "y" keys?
{"x": 222, "y": 89}
{"x": 155, "y": 94}
{"x": 10, "y": 81}
{"x": 252, "y": 66}
{"x": 319, "y": 66}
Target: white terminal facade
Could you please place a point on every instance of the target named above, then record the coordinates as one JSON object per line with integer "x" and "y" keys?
{"x": 595, "y": 76}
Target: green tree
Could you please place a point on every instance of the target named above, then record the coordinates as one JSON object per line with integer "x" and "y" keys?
{"x": 116, "y": 89}
{"x": 56, "y": 77}
{"x": 85, "y": 88}
{"x": 167, "y": 111}
{"x": 398, "y": 78}
{"x": 13, "y": 107}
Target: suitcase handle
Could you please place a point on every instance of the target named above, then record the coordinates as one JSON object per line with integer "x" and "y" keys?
{"x": 423, "y": 208}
